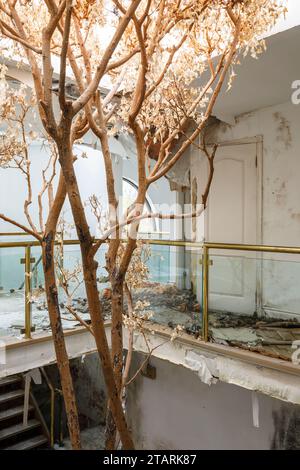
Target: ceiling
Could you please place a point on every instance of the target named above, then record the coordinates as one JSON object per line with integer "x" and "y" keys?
{"x": 265, "y": 81}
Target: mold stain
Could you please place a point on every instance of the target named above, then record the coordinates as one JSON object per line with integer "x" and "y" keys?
{"x": 284, "y": 134}
{"x": 287, "y": 429}
{"x": 280, "y": 192}
{"x": 295, "y": 216}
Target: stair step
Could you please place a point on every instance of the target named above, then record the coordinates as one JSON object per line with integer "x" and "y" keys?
{"x": 29, "y": 443}
{"x": 9, "y": 380}
{"x": 12, "y": 412}
{"x": 11, "y": 395}
{"x": 18, "y": 429}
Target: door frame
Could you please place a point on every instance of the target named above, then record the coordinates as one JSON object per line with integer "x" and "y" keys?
{"x": 258, "y": 140}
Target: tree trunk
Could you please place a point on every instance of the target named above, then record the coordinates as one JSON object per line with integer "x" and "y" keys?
{"x": 59, "y": 342}
{"x": 90, "y": 276}
{"x": 89, "y": 266}
{"x": 117, "y": 355}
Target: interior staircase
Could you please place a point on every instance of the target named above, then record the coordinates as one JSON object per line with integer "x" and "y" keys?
{"x": 14, "y": 435}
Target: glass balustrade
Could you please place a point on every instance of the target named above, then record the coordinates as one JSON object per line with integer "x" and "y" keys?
{"x": 253, "y": 301}
{"x": 233, "y": 295}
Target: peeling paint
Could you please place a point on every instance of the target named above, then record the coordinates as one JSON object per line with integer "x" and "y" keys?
{"x": 266, "y": 381}
{"x": 202, "y": 365}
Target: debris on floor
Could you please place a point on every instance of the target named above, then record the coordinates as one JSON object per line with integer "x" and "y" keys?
{"x": 169, "y": 306}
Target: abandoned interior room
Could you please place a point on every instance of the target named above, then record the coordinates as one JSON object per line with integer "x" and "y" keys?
{"x": 149, "y": 225}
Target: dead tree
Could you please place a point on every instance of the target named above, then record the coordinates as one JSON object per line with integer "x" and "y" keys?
{"x": 172, "y": 59}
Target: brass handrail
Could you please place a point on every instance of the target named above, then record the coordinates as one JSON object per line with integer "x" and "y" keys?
{"x": 14, "y": 234}
{"x": 205, "y": 247}
{"x": 24, "y": 244}
{"x": 18, "y": 234}
{"x": 246, "y": 247}
{"x": 18, "y": 244}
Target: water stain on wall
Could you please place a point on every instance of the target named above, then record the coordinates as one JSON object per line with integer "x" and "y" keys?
{"x": 295, "y": 216}
{"x": 284, "y": 134}
{"x": 279, "y": 191}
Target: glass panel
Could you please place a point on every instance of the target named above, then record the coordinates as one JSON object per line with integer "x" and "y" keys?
{"x": 37, "y": 277}
{"x": 75, "y": 295}
{"x": 39, "y": 312}
{"x": 11, "y": 290}
{"x": 172, "y": 292}
{"x": 254, "y": 301}
{"x": 281, "y": 287}
{"x": 103, "y": 282}
{"x": 159, "y": 263}
{"x": 232, "y": 283}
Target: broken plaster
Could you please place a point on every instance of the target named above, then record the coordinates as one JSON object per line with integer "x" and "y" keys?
{"x": 211, "y": 368}
{"x": 203, "y": 366}
{"x": 257, "y": 379}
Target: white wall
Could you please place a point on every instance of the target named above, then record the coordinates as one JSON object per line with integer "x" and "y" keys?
{"x": 178, "y": 411}
{"x": 13, "y": 189}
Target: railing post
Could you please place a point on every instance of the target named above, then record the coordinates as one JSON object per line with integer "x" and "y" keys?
{"x": 28, "y": 292}
{"x": 205, "y": 268}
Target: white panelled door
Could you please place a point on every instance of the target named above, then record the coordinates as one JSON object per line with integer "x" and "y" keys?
{"x": 231, "y": 217}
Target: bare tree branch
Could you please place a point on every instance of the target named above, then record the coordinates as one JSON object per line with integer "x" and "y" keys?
{"x": 21, "y": 226}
